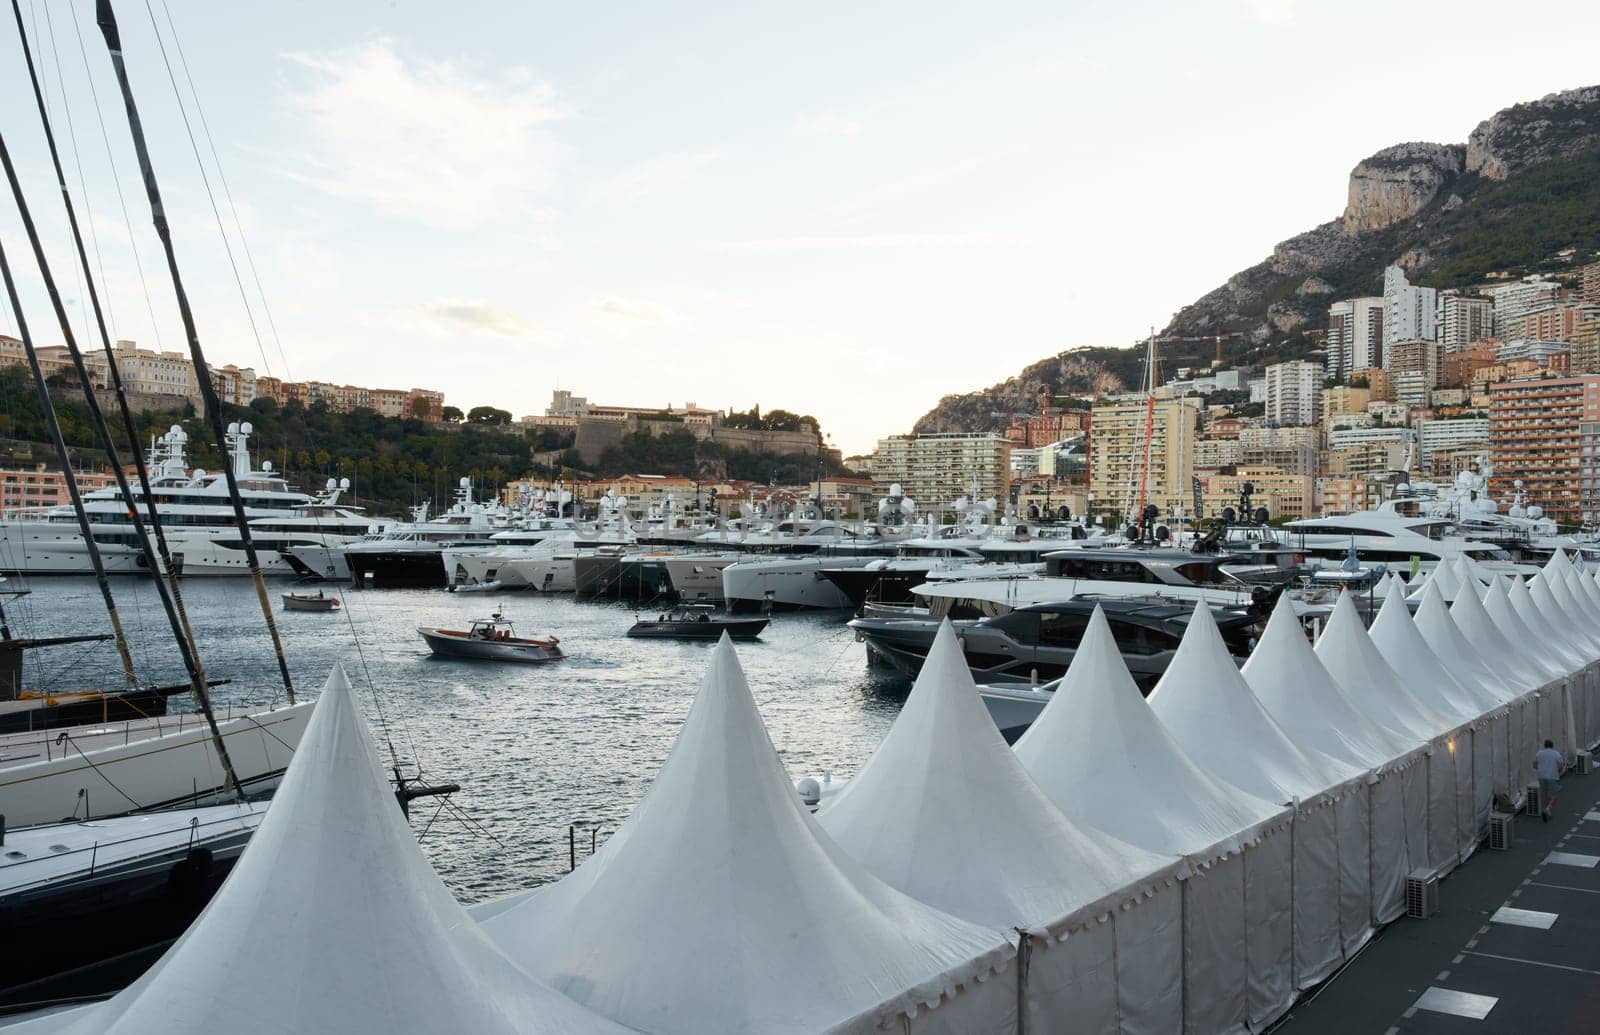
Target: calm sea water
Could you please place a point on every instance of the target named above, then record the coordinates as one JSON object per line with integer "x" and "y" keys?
{"x": 536, "y": 748}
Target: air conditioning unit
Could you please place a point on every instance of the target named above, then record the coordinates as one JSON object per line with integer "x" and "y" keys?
{"x": 1501, "y": 831}
{"x": 1533, "y": 801}
{"x": 1585, "y": 763}
{"x": 1422, "y": 894}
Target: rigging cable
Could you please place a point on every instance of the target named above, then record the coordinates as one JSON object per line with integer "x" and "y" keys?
{"x": 188, "y": 129}
{"x": 227, "y": 192}
{"x": 175, "y": 614}
{"x": 208, "y": 392}
{"x": 122, "y": 201}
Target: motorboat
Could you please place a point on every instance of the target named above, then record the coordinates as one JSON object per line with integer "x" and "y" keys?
{"x": 412, "y": 554}
{"x": 491, "y": 639}
{"x": 1037, "y": 642}
{"x": 697, "y": 622}
{"x": 317, "y": 601}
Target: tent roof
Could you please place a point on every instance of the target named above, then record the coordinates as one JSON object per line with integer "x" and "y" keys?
{"x": 1457, "y": 653}
{"x": 1446, "y": 578}
{"x": 1493, "y": 645}
{"x": 333, "y": 920}
{"x": 721, "y": 905}
{"x": 1402, "y": 646}
{"x": 1582, "y": 590}
{"x": 944, "y": 811}
{"x": 1210, "y": 710}
{"x": 1289, "y": 679}
{"x": 1355, "y": 662}
{"x": 1497, "y": 605}
{"x": 1541, "y": 613}
{"x": 1101, "y": 754}
{"x": 1577, "y": 625}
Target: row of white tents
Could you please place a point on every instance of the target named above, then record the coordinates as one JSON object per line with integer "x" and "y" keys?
{"x": 1192, "y": 862}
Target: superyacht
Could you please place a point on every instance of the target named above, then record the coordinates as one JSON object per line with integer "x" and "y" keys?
{"x": 194, "y": 508}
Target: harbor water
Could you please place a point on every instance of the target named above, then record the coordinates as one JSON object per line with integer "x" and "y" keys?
{"x": 536, "y": 748}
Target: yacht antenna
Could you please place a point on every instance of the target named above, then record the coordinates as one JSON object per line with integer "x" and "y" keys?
{"x": 171, "y": 596}
{"x": 107, "y": 20}
{"x": 71, "y": 479}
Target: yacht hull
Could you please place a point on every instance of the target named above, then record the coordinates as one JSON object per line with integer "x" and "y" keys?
{"x": 400, "y": 569}
{"x": 153, "y": 772}
{"x": 787, "y": 584}
{"x": 319, "y": 562}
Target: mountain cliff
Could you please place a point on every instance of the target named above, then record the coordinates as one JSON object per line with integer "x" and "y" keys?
{"x": 1524, "y": 186}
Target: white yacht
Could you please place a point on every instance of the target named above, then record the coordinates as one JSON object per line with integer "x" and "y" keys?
{"x": 194, "y": 507}
{"x": 322, "y": 523}
{"x": 412, "y": 553}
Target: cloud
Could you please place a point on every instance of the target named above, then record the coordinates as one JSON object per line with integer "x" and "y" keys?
{"x": 827, "y": 124}
{"x": 1272, "y": 12}
{"x": 628, "y": 310}
{"x": 652, "y": 176}
{"x": 425, "y": 140}
{"x": 478, "y": 316}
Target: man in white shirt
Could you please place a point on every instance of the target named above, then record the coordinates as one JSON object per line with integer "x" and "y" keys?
{"x": 1547, "y": 765}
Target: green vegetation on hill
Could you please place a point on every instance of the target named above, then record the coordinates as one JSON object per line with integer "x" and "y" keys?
{"x": 679, "y": 452}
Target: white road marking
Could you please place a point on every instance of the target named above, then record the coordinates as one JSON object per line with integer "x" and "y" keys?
{"x": 1524, "y": 918}
{"x": 1572, "y": 859}
{"x": 1457, "y": 1004}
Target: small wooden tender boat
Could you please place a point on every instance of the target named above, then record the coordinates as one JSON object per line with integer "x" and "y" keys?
{"x": 698, "y": 622}
{"x": 491, "y": 639}
{"x": 310, "y": 602}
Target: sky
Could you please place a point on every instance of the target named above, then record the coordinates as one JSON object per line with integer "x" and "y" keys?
{"x": 847, "y": 210}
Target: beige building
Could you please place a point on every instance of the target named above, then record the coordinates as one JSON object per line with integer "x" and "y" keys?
{"x": 1117, "y": 444}
{"x": 935, "y": 470}
{"x": 1346, "y": 495}
{"x": 1211, "y": 453}
{"x": 1344, "y": 399}
{"x": 1284, "y": 495}
{"x": 43, "y": 485}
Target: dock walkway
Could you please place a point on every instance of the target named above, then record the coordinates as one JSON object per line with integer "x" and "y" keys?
{"x": 1515, "y": 946}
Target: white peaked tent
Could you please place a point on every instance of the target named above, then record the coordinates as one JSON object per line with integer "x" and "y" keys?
{"x": 1584, "y": 592}
{"x": 1104, "y": 758}
{"x": 1297, "y": 691}
{"x": 332, "y": 921}
{"x": 1211, "y": 712}
{"x": 1445, "y": 578}
{"x": 1467, "y": 748}
{"x": 1461, "y": 659}
{"x": 1563, "y": 654}
{"x": 1497, "y": 605}
{"x": 1583, "y": 635}
{"x": 1517, "y": 670}
{"x": 1554, "y": 721}
{"x": 1348, "y": 653}
{"x": 720, "y": 905}
{"x": 944, "y": 811}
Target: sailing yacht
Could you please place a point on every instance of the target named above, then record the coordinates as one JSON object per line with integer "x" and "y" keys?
{"x": 194, "y": 507}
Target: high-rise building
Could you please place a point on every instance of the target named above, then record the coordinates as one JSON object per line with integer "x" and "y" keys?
{"x": 1408, "y": 311}
{"x": 937, "y": 469}
{"x": 1355, "y": 335}
{"x": 1557, "y": 322}
{"x": 1462, "y": 320}
{"x": 1543, "y": 432}
{"x": 1294, "y": 392}
{"x": 1589, "y": 284}
{"x": 1413, "y": 368}
{"x": 1117, "y": 437}
{"x": 1291, "y": 449}
{"x": 1512, "y": 302}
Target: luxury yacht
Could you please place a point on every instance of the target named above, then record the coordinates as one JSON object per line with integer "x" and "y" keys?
{"x": 411, "y": 554}
{"x": 324, "y": 524}
{"x": 193, "y": 506}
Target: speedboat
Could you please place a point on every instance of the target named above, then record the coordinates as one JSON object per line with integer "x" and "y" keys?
{"x": 491, "y": 639}
{"x": 697, "y": 622}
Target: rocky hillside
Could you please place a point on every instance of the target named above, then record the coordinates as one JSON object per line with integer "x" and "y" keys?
{"x": 1524, "y": 186}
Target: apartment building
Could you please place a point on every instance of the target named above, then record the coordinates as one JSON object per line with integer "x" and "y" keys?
{"x": 1294, "y": 392}
{"x": 1544, "y": 432}
{"x": 1408, "y": 311}
{"x": 43, "y": 485}
{"x": 1464, "y": 432}
{"x": 1462, "y": 320}
{"x": 1117, "y": 434}
{"x": 1355, "y": 335}
{"x": 937, "y": 469}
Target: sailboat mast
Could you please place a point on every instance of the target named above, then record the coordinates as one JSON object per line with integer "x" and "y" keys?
{"x": 49, "y": 410}
{"x": 171, "y": 602}
{"x": 107, "y": 21}
{"x": 114, "y": 374}
{"x": 1149, "y": 423}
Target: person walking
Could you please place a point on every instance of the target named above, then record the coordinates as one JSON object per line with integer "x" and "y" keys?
{"x": 1547, "y": 765}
